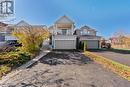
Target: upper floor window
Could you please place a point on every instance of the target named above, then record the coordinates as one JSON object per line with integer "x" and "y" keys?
{"x": 64, "y": 31}
{"x": 88, "y": 32}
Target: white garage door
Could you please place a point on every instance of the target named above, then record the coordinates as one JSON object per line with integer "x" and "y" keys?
{"x": 92, "y": 44}
{"x": 65, "y": 44}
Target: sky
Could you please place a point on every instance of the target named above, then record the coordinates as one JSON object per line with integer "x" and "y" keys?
{"x": 106, "y": 16}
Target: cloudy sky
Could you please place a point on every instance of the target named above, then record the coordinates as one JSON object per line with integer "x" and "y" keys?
{"x": 106, "y": 16}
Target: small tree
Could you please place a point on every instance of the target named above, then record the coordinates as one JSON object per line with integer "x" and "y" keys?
{"x": 85, "y": 46}
{"x": 30, "y": 37}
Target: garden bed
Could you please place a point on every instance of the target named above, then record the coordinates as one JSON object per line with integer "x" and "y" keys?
{"x": 12, "y": 60}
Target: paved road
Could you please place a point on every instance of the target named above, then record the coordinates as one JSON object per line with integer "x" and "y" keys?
{"x": 66, "y": 69}
{"x": 119, "y": 57}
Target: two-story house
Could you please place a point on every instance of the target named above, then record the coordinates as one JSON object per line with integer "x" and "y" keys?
{"x": 62, "y": 34}
{"x": 89, "y": 35}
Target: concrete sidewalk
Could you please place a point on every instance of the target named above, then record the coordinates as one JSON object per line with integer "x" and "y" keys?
{"x": 44, "y": 50}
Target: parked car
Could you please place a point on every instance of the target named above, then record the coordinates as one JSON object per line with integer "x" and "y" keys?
{"x": 105, "y": 45}
{"x": 14, "y": 43}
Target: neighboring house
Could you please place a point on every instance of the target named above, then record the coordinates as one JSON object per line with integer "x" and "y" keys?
{"x": 6, "y": 31}
{"x": 62, "y": 34}
{"x": 89, "y": 35}
{"x": 2, "y": 31}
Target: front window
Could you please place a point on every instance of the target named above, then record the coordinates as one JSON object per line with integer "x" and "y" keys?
{"x": 88, "y": 32}
{"x": 64, "y": 31}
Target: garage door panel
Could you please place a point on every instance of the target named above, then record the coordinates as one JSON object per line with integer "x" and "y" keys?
{"x": 92, "y": 44}
{"x": 65, "y": 44}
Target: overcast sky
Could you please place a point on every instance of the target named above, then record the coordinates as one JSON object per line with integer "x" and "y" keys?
{"x": 106, "y": 16}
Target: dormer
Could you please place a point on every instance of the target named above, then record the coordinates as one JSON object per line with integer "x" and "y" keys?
{"x": 85, "y": 30}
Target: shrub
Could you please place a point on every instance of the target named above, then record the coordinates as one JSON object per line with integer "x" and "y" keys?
{"x": 83, "y": 45}
{"x": 14, "y": 58}
{"x": 4, "y": 69}
{"x": 10, "y": 60}
{"x": 31, "y": 38}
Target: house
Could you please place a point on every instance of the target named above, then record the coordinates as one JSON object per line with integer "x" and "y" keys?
{"x": 89, "y": 35}
{"x": 6, "y": 30}
{"x": 65, "y": 36}
{"x": 2, "y": 31}
{"x": 62, "y": 34}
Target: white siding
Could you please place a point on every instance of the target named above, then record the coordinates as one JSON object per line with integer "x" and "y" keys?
{"x": 64, "y": 37}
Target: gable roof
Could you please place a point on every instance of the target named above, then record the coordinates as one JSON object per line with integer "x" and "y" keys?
{"x": 3, "y": 24}
{"x": 64, "y": 19}
{"x": 22, "y": 23}
{"x": 86, "y": 27}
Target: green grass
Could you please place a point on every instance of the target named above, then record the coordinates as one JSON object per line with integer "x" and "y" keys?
{"x": 116, "y": 67}
{"x": 120, "y": 50}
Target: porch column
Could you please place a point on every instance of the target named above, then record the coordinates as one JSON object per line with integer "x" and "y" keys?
{"x": 55, "y": 29}
{"x": 72, "y": 29}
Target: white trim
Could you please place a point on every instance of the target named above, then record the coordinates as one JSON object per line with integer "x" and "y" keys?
{"x": 65, "y": 39}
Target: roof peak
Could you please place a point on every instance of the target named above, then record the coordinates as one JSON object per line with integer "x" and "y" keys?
{"x": 22, "y": 23}
{"x": 64, "y": 19}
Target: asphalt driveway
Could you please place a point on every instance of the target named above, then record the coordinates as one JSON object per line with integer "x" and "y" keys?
{"x": 66, "y": 69}
{"x": 123, "y": 58}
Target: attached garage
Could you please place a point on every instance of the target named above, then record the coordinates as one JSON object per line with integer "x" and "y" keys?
{"x": 65, "y": 44}
{"x": 92, "y": 44}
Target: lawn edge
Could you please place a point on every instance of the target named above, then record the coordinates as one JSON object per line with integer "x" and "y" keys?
{"x": 118, "y": 68}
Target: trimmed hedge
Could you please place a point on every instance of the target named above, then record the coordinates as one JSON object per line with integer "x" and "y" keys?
{"x": 116, "y": 67}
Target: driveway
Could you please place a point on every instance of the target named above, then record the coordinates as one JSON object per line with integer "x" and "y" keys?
{"x": 123, "y": 58}
{"x": 66, "y": 69}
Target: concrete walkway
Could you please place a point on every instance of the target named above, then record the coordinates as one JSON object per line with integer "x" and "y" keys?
{"x": 44, "y": 50}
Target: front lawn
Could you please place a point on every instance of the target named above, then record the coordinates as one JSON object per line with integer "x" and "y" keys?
{"x": 116, "y": 67}
{"x": 125, "y": 51}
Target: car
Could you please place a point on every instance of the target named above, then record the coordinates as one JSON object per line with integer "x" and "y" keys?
{"x": 13, "y": 43}
{"x": 105, "y": 45}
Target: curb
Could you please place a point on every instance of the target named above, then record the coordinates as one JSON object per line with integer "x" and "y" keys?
{"x": 25, "y": 66}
